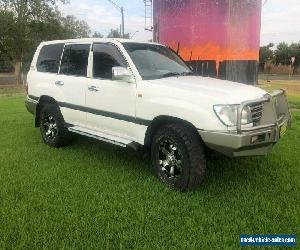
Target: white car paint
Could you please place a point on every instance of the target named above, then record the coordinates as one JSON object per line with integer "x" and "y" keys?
{"x": 190, "y": 98}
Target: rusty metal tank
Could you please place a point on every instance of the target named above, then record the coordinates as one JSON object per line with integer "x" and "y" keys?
{"x": 218, "y": 38}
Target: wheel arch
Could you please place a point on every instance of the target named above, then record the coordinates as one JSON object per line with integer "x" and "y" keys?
{"x": 44, "y": 99}
{"x": 161, "y": 121}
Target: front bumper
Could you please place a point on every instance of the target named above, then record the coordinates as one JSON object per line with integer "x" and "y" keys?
{"x": 31, "y": 105}
{"x": 257, "y": 140}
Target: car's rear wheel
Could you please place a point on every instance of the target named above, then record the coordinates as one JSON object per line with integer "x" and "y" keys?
{"x": 178, "y": 157}
{"x": 53, "y": 130}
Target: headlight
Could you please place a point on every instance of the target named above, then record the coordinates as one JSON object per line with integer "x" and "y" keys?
{"x": 228, "y": 114}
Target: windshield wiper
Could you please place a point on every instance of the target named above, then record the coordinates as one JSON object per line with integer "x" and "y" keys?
{"x": 170, "y": 74}
{"x": 190, "y": 73}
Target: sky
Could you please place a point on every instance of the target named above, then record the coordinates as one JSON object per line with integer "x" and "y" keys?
{"x": 280, "y": 21}
{"x": 280, "y": 18}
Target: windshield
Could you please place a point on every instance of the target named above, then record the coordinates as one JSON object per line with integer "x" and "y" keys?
{"x": 156, "y": 61}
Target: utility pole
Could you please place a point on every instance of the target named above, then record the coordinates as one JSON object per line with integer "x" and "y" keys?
{"x": 121, "y": 9}
{"x": 265, "y": 2}
{"x": 123, "y": 21}
{"x": 148, "y": 15}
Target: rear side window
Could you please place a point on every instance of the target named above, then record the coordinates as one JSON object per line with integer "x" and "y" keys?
{"x": 105, "y": 57}
{"x": 49, "y": 58}
{"x": 75, "y": 60}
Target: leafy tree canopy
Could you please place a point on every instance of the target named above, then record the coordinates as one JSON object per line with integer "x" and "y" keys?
{"x": 115, "y": 33}
{"x": 97, "y": 35}
{"x": 282, "y": 54}
{"x": 266, "y": 53}
{"x": 26, "y": 23}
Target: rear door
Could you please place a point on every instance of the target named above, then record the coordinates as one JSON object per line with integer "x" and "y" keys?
{"x": 71, "y": 80}
{"x": 43, "y": 71}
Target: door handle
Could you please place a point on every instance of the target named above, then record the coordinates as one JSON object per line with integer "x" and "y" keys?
{"x": 93, "y": 88}
{"x": 59, "y": 83}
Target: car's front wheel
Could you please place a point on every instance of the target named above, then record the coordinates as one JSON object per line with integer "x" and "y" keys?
{"x": 53, "y": 130}
{"x": 178, "y": 157}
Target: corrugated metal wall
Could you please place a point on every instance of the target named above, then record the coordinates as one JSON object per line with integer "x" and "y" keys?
{"x": 219, "y": 38}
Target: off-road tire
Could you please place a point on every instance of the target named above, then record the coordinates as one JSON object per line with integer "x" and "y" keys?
{"x": 62, "y": 136}
{"x": 193, "y": 156}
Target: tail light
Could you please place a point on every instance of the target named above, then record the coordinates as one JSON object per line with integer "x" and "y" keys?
{"x": 26, "y": 88}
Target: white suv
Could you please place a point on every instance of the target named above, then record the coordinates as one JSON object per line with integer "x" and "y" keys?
{"x": 143, "y": 94}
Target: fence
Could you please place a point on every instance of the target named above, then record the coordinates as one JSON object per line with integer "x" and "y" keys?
{"x": 7, "y": 73}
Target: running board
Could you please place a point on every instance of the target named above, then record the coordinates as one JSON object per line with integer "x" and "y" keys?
{"x": 101, "y": 136}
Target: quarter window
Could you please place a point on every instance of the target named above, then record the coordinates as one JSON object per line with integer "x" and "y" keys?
{"x": 49, "y": 58}
{"x": 75, "y": 60}
{"x": 105, "y": 57}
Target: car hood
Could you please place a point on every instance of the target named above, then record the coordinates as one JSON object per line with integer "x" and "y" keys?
{"x": 220, "y": 91}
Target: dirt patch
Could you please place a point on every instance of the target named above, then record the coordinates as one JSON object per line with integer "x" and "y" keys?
{"x": 295, "y": 110}
{"x": 291, "y": 87}
{"x": 10, "y": 90}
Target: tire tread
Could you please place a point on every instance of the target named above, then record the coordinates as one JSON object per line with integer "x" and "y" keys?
{"x": 196, "y": 155}
{"x": 64, "y": 137}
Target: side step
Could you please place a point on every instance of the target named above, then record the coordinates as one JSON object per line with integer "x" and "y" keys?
{"x": 102, "y": 136}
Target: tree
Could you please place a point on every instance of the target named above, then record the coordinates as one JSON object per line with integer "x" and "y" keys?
{"x": 265, "y": 55}
{"x": 23, "y": 13}
{"x": 44, "y": 30}
{"x": 74, "y": 28}
{"x": 295, "y": 52}
{"x": 6, "y": 24}
{"x": 283, "y": 54}
{"x": 97, "y": 35}
{"x": 25, "y": 23}
{"x": 6, "y": 20}
{"x": 115, "y": 33}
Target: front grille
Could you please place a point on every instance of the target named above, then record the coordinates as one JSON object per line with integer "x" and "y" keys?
{"x": 256, "y": 112}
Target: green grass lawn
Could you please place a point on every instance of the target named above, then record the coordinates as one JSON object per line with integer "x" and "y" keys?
{"x": 291, "y": 87}
{"x": 93, "y": 195}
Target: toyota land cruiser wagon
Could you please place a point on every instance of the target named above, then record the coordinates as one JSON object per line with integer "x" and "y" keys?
{"x": 144, "y": 95}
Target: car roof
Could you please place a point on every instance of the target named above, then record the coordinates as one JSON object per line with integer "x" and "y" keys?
{"x": 95, "y": 40}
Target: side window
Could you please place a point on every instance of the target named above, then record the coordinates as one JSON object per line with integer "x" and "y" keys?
{"x": 75, "y": 60}
{"x": 49, "y": 58}
{"x": 105, "y": 57}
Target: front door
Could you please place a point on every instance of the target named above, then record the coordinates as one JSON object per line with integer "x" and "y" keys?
{"x": 110, "y": 104}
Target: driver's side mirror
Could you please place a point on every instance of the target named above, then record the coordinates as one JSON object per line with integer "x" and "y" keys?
{"x": 121, "y": 74}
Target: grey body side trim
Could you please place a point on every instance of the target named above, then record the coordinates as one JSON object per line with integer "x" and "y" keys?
{"x": 97, "y": 137}
{"x": 33, "y": 98}
{"x": 131, "y": 144}
{"x": 136, "y": 120}
{"x": 31, "y": 105}
{"x": 113, "y": 115}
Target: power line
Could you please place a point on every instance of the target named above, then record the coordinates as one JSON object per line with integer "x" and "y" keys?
{"x": 122, "y": 14}
{"x": 114, "y": 4}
